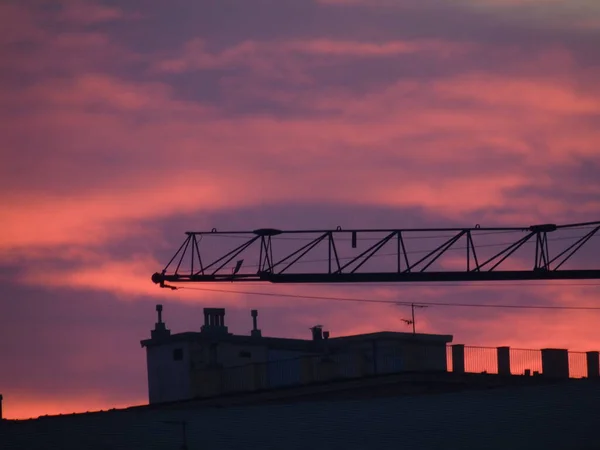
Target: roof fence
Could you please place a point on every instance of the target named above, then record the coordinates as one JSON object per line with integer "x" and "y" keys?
{"x": 521, "y": 361}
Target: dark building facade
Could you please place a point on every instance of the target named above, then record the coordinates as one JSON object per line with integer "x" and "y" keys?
{"x": 187, "y": 365}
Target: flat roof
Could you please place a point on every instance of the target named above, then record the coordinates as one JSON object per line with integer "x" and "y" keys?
{"x": 295, "y": 344}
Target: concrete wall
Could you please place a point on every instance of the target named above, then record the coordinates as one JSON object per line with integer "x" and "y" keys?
{"x": 389, "y": 356}
{"x": 231, "y": 355}
{"x": 425, "y": 357}
{"x": 284, "y": 367}
{"x": 213, "y": 368}
{"x": 168, "y": 379}
{"x": 245, "y": 368}
{"x": 225, "y": 367}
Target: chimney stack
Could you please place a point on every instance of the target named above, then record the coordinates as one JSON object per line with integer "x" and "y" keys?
{"x": 326, "y": 341}
{"x": 214, "y": 321}
{"x": 160, "y": 329}
{"x": 1, "y": 416}
{"x": 255, "y": 331}
{"x": 317, "y": 332}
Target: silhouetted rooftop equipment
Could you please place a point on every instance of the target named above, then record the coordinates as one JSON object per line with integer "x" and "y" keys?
{"x": 255, "y": 331}
{"x": 160, "y": 328}
{"x": 214, "y": 321}
{"x": 317, "y": 332}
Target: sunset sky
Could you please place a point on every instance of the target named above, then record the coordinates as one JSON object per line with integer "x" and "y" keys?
{"x": 125, "y": 123}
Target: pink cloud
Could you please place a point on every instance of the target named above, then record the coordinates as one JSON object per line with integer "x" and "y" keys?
{"x": 86, "y": 12}
{"x": 547, "y": 13}
{"x": 32, "y": 46}
{"x": 17, "y": 23}
{"x": 267, "y": 56}
{"x": 98, "y": 90}
{"x": 530, "y": 94}
{"x": 66, "y": 53}
{"x": 127, "y": 279}
{"x": 92, "y": 113}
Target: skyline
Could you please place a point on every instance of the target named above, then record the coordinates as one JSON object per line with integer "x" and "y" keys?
{"x": 124, "y": 127}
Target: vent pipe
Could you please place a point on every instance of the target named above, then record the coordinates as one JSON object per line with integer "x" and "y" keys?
{"x": 255, "y": 331}
{"x": 160, "y": 328}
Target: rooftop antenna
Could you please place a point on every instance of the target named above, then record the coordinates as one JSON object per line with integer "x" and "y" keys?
{"x": 412, "y": 321}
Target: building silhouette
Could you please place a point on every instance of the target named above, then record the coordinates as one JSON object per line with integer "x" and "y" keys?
{"x": 212, "y": 389}
{"x": 186, "y": 365}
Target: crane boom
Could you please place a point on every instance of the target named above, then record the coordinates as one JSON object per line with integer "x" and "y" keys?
{"x": 281, "y": 258}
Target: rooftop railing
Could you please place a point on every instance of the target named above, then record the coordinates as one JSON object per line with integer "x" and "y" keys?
{"x": 558, "y": 363}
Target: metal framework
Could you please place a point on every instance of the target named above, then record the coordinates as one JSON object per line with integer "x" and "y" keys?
{"x": 189, "y": 265}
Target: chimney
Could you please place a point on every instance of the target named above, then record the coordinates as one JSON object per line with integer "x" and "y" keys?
{"x": 214, "y": 321}
{"x": 255, "y": 331}
{"x": 317, "y": 332}
{"x": 326, "y": 341}
{"x": 1, "y": 416}
{"x": 160, "y": 329}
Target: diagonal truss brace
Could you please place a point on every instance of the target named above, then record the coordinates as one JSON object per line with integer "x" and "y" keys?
{"x": 285, "y": 269}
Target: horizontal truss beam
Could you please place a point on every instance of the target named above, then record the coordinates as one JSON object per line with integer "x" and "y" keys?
{"x": 545, "y": 265}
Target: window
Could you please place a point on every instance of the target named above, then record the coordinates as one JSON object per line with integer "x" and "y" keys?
{"x": 178, "y": 354}
{"x": 245, "y": 354}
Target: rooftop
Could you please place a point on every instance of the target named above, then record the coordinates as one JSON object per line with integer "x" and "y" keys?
{"x": 292, "y": 344}
{"x": 214, "y": 329}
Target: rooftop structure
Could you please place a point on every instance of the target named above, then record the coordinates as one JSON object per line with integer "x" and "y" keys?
{"x": 186, "y": 365}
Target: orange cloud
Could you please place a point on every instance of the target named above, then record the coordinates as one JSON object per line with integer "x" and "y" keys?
{"x": 537, "y": 95}
{"x": 169, "y": 164}
{"x": 127, "y": 279}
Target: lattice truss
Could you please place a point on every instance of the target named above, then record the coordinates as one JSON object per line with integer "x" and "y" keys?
{"x": 539, "y": 252}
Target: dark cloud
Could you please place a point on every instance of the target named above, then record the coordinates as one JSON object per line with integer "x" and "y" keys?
{"x": 229, "y": 22}
{"x": 72, "y": 342}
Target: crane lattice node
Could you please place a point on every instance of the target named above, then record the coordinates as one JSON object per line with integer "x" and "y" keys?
{"x": 295, "y": 248}
{"x": 157, "y": 278}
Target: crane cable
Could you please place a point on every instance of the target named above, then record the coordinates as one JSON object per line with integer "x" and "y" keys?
{"x": 396, "y": 302}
